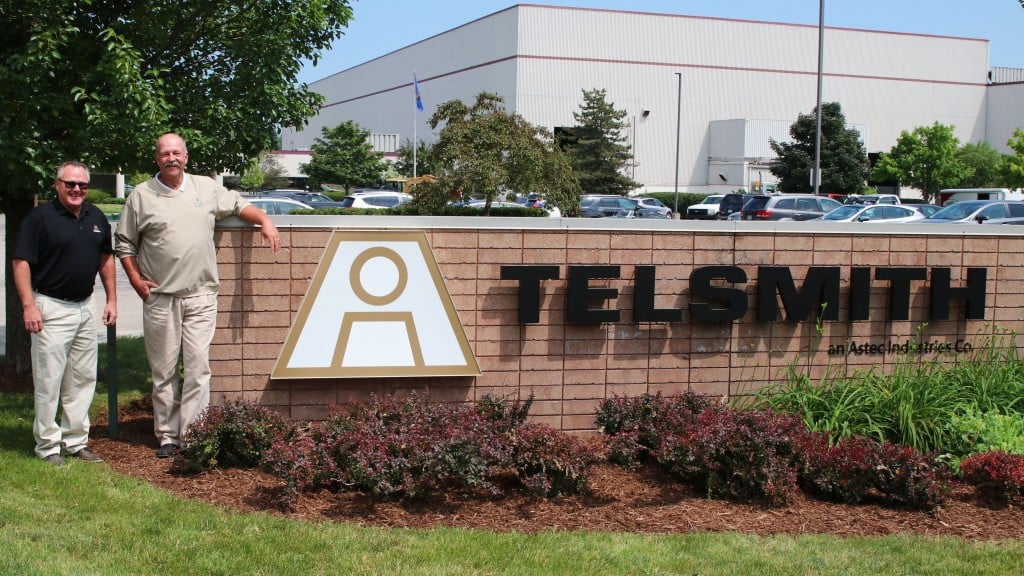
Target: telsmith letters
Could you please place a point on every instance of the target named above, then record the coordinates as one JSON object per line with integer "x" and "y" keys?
{"x": 718, "y": 295}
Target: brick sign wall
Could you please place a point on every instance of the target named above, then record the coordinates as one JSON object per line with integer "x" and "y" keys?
{"x": 575, "y": 311}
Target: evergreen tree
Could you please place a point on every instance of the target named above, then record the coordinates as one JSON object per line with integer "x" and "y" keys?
{"x": 597, "y": 146}
{"x": 344, "y": 156}
{"x": 844, "y": 161}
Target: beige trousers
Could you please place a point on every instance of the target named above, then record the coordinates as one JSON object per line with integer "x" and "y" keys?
{"x": 178, "y": 327}
{"x": 64, "y": 374}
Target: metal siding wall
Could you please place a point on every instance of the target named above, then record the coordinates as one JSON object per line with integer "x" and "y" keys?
{"x": 379, "y": 96}
{"x": 1005, "y": 114}
{"x": 885, "y": 82}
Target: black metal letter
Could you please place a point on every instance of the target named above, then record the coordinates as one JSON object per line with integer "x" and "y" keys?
{"x": 579, "y": 295}
{"x": 735, "y": 300}
{"x": 860, "y": 293}
{"x": 643, "y": 300}
{"x": 820, "y": 288}
{"x": 529, "y": 278}
{"x": 899, "y": 288}
{"x": 973, "y": 294}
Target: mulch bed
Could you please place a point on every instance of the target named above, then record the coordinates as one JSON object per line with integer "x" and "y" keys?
{"x": 621, "y": 501}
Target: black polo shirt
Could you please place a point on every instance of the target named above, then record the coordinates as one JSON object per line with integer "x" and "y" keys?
{"x": 63, "y": 252}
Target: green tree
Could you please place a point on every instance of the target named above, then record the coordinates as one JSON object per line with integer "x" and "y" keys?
{"x": 844, "y": 161}
{"x": 252, "y": 178}
{"x": 99, "y": 80}
{"x": 597, "y": 147}
{"x": 984, "y": 165}
{"x": 344, "y": 156}
{"x": 927, "y": 159}
{"x": 483, "y": 149}
{"x": 403, "y": 165}
{"x": 1013, "y": 164}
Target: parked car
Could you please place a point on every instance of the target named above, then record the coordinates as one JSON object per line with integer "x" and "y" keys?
{"x": 379, "y": 199}
{"x": 314, "y": 199}
{"x": 872, "y": 199}
{"x": 497, "y": 204}
{"x": 978, "y": 211}
{"x": 926, "y": 209}
{"x": 654, "y": 204}
{"x": 613, "y": 206}
{"x": 788, "y": 207}
{"x": 732, "y": 204}
{"x": 278, "y": 205}
{"x": 706, "y": 209}
{"x": 876, "y": 213}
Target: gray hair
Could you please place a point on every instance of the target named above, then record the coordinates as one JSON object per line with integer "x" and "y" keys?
{"x": 72, "y": 163}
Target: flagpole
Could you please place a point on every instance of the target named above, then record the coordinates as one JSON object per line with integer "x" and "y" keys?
{"x": 415, "y": 106}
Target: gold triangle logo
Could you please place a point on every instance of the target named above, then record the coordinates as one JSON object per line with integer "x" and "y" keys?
{"x": 377, "y": 307}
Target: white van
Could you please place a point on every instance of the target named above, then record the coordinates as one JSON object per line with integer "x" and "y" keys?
{"x": 952, "y": 195}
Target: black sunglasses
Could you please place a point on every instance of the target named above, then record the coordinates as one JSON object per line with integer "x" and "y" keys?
{"x": 71, "y": 184}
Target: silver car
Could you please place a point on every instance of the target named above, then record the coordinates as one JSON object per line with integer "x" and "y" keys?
{"x": 978, "y": 212}
{"x": 886, "y": 213}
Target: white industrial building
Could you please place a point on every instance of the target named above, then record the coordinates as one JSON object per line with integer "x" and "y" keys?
{"x": 738, "y": 84}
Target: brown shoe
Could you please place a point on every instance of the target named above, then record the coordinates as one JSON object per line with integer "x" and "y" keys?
{"x": 54, "y": 460}
{"x": 86, "y": 455}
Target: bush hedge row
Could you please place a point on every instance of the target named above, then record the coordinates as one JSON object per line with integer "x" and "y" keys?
{"x": 411, "y": 447}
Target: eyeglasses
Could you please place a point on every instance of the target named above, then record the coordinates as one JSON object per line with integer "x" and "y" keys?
{"x": 71, "y": 184}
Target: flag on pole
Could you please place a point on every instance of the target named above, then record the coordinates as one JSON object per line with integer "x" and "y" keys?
{"x": 416, "y": 86}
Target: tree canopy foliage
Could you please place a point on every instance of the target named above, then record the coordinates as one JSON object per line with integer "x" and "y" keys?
{"x": 597, "y": 147}
{"x": 344, "y": 155}
{"x": 984, "y": 166}
{"x": 484, "y": 150}
{"x": 1013, "y": 168}
{"x": 99, "y": 80}
{"x": 403, "y": 164}
{"x": 844, "y": 160}
{"x": 928, "y": 158}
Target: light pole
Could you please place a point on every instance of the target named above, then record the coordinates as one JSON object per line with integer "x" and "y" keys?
{"x": 679, "y": 123}
{"x": 816, "y": 169}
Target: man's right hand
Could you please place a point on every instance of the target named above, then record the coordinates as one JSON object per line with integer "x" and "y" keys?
{"x": 142, "y": 287}
{"x": 33, "y": 320}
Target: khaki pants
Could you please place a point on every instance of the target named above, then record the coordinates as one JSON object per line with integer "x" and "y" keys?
{"x": 174, "y": 326}
{"x": 64, "y": 373}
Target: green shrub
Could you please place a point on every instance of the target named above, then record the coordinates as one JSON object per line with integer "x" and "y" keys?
{"x": 976, "y": 432}
{"x": 233, "y": 435}
{"x": 98, "y": 196}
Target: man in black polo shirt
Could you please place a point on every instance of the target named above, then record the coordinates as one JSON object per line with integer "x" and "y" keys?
{"x": 60, "y": 248}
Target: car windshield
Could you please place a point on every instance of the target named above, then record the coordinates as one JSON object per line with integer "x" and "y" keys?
{"x": 712, "y": 200}
{"x": 957, "y": 211}
{"x": 843, "y": 212}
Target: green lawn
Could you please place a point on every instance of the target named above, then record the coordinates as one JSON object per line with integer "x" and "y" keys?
{"x": 86, "y": 519}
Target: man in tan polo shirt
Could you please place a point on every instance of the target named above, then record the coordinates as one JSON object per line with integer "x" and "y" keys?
{"x": 165, "y": 243}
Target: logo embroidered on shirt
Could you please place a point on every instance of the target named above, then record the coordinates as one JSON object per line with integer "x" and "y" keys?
{"x": 96, "y": 229}
{"x": 196, "y": 201}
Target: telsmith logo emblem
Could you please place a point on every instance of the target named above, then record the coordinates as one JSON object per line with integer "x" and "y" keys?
{"x": 377, "y": 307}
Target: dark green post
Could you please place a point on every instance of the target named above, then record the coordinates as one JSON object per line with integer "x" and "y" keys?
{"x": 112, "y": 380}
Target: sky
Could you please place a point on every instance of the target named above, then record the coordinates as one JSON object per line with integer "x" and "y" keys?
{"x": 382, "y": 26}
